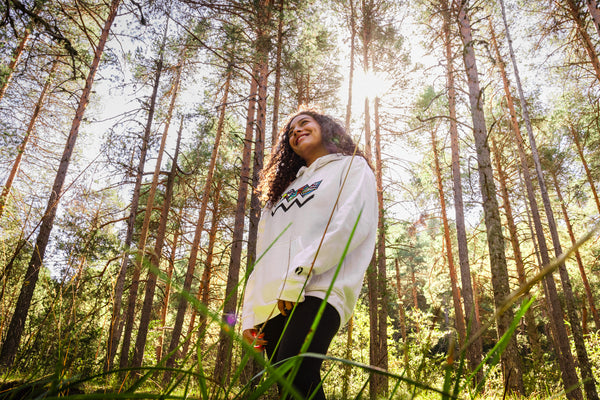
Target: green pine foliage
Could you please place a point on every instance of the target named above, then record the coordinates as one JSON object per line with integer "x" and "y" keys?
{"x": 63, "y": 350}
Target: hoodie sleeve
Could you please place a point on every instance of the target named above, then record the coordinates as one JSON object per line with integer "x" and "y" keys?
{"x": 359, "y": 193}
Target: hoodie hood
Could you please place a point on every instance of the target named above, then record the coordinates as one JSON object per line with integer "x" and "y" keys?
{"x": 318, "y": 163}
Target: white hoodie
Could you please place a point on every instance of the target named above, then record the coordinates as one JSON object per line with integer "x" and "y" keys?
{"x": 282, "y": 269}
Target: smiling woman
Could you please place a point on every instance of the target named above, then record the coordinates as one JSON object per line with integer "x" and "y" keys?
{"x": 305, "y": 138}
{"x": 314, "y": 163}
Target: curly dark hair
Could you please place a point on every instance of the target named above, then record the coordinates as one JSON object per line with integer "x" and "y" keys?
{"x": 283, "y": 165}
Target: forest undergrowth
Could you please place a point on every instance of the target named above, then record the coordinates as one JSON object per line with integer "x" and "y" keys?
{"x": 418, "y": 370}
{"x": 429, "y": 364}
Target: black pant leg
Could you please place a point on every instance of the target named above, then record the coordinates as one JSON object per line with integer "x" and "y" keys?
{"x": 309, "y": 374}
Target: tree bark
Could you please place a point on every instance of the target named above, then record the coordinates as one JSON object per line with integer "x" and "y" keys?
{"x": 584, "y": 365}
{"x": 277, "y": 84}
{"x": 400, "y": 294}
{"x": 532, "y": 333}
{"x": 373, "y": 326}
{"x": 584, "y": 279}
{"x": 141, "y": 256}
{"x": 165, "y": 304}
{"x": 352, "y": 24}
{"x": 203, "y": 294}
{"x": 189, "y": 275}
{"x": 208, "y": 264}
{"x": 207, "y": 272}
{"x": 559, "y": 331}
{"x": 381, "y": 258}
{"x": 116, "y": 323}
{"x": 375, "y": 383}
{"x": 156, "y": 255}
{"x": 21, "y": 149}
{"x": 348, "y": 356}
{"x": 15, "y": 59}
{"x": 458, "y": 311}
{"x": 474, "y": 351}
{"x": 257, "y": 166}
{"x": 511, "y": 362}
{"x": 17, "y": 323}
{"x": 263, "y": 48}
{"x": 230, "y": 304}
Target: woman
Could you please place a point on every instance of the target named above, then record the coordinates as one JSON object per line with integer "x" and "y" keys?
{"x": 312, "y": 163}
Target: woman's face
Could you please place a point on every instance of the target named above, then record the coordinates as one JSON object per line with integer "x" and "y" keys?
{"x": 305, "y": 138}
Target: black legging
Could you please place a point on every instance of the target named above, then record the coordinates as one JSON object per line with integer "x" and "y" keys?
{"x": 309, "y": 374}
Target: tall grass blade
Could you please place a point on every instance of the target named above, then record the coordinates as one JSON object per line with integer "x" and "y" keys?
{"x": 369, "y": 368}
{"x": 315, "y": 324}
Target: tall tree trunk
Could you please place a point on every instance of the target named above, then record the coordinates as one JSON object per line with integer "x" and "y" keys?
{"x": 400, "y": 294}
{"x": 511, "y": 362}
{"x": 559, "y": 332}
{"x": 373, "y": 326}
{"x": 257, "y": 166}
{"x": 230, "y": 304}
{"x": 189, "y": 275}
{"x": 116, "y": 323}
{"x": 17, "y": 323}
{"x": 347, "y": 368}
{"x": 588, "y": 173}
{"x": 458, "y": 311}
{"x": 381, "y": 258}
{"x": 15, "y": 60}
{"x": 263, "y": 48}
{"x": 26, "y": 137}
{"x": 584, "y": 279}
{"x": 413, "y": 278}
{"x": 141, "y": 256}
{"x": 402, "y": 318}
{"x": 352, "y": 24}
{"x": 532, "y": 333}
{"x": 156, "y": 255}
{"x": 203, "y": 290}
{"x": 277, "y": 84}
{"x": 576, "y": 15}
{"x": 474, "y": 351}
{"x": 165, "y": 304}
{"x": 584, "y": 364}
{"x": 208, "y": 264}
{"x": 375, "y": 383}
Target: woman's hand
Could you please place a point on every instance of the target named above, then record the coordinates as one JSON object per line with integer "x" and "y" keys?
{"x": 285, "y": 307}
{"x": 249, "y": 336}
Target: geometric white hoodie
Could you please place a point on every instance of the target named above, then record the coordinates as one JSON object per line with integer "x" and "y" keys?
{"x": 285, "y": 256}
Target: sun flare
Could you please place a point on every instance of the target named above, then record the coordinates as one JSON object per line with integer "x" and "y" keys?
{"x": 369, "y": 85}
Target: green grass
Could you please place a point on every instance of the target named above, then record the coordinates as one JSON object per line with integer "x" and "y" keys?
{"x": 192, "y": 381}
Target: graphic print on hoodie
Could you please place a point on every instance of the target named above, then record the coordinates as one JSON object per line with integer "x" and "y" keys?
{"x": 291, "y": 197}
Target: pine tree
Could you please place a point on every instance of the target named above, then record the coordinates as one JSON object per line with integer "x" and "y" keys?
{"x": 17, "y": 324}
